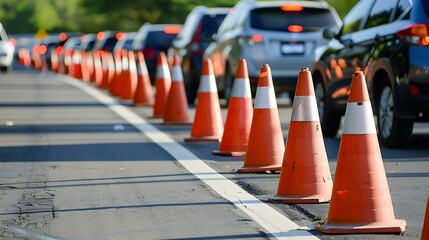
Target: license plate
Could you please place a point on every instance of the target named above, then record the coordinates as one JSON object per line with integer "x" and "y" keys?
{"x": 292, "y": 48}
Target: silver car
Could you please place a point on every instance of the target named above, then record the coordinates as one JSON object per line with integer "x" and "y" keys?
{"x": 7, "y": 50}
{"x": 283, "y": 34}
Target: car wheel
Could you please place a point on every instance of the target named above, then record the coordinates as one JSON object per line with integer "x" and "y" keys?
{"x": 192, "y": 80}
{"x": 393, "y": 132}
{"x": 330, "y": 118}
{"x": 6, "y": 69}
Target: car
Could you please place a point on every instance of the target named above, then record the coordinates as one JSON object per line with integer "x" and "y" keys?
{"x": 283, "y": 34}
{"x": 151, "y": 39}
{"x": 124, "y": 42}
{"x": 197, "y": 33}
{"x": 7, "y": 50}
{"x": 389, "y": 42}
{"x": 105, "y": 41}
{"x": 53, "y": 43}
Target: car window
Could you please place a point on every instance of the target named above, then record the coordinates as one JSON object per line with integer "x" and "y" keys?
{"x": 276, "y": 19}
{"x": 158, "y": 39}
{"x": 212, "y": 23}
{"x": 380, "y": 13}
{"x": 425, "y": 4}
{"x": 353, "y": 21}
{"x": 404, "y": 7}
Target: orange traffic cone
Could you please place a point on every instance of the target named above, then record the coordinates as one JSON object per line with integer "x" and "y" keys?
{"x": 162, "y": 86}
{"x": 425, "y": 231}
{"x": 115, "y": 86}
{"x": 129, "y": 82}
{"x": 176, "y": 108}
{"x": 360, "y": 201}
{"x": 208, "y": 124}
{"x": 239, "y": 117}
{"x": 266, "y": 146}
{"x": 144, "y": 93}
{"x": 305, "y": 176}
{"x": 54, "y": 61}
{"x": 98, "y": 69}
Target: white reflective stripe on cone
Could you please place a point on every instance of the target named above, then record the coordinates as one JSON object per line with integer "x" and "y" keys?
{"x": 207, "y": 84}
{"x": 241, "y": 88}
{"x": 176, "y": 75}
{"x": 359, "y": 119}
{"x": 305, "y": 109}
{"x": 265, "y": 97}
{"x": 162, "y": 72}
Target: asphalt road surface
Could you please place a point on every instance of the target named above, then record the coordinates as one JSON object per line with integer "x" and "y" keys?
{"x": 76, "y": 163}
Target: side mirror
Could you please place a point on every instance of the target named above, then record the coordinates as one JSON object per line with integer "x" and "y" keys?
{"x": 330, "y": 32}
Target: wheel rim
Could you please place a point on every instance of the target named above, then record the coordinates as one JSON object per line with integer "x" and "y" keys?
{"x": 320, "y": 97}
{"x": 385, "y": 112}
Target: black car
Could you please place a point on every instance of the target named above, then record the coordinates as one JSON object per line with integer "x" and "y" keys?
{"x": 197, "y": 33}
{"x": 152, "y": 39}
{"x": 389, "y": 42}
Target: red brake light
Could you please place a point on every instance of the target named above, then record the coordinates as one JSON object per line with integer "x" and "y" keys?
{"x": 414, "y": 90}
{"x": 101, "y": 35}
{"x": 294, "y": 28}
{"x": 62, "y": 37}
{"x": 195, "y": 43}
{"x": 42, "y": 49}
{"x": 417, "y": 34}
{"x": 120, "y": 35}
{"x": 13, "y": 41}
{"x": 36, "y": 48}
{"x": 257, "y": 38}
{"x": 291, "y": 8}
{"x": 172, "y": 29}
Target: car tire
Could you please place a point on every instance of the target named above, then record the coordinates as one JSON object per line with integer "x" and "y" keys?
{"x": 330, "y": 119}
{"x": 6, "y": 69}
{"x": 393, "y": 131}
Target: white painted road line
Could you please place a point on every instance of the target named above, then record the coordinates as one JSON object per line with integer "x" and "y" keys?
{"x": 274, "y": 222}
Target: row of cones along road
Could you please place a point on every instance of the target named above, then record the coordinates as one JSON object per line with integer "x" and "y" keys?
{"x": 359, "y": 196}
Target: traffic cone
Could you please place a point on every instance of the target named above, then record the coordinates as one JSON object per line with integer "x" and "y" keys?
{"x": 266, "y": 146}
{"x": 360, "y": 201}
{"x": 239, "y": 117}
{"x": 115, "y": 84}
{"x": 162, "y": 86}
{"x": 129, "y": 82}
{"x": 425, "y": 231}
{"x": 305, "y": 176}
{"x": 54, "y": 61}
{"x": 98, "y": 69}
{"x": 144, "y": 93}
{"x": 208, "y": 124}
{"x": 176, "y": 108}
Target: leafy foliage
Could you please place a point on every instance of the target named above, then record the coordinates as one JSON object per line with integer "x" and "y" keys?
{"x": 25, "y": 16}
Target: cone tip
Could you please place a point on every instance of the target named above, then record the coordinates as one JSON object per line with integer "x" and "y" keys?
{"x": 305, "y": 69}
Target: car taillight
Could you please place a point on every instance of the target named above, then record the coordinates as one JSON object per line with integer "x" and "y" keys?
{"x": 417, "y": 34}
{"x": 172, "y": 29}
{"x": 195, "y": 42}
{"x": 295, "y": 28}
{"x": 62, "y": 37}
{"x": 101, "y": 35}
{"x": 43, "y": 49}
{"x": 148, "y": 53}
{"x": 250, "y": 40}
{"x": 120, "y": 36}
{"x": 291, "y": 8}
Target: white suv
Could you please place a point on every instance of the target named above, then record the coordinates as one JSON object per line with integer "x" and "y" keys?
{"x": 283, "y": 34}
{"x": 6, "y": 51}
